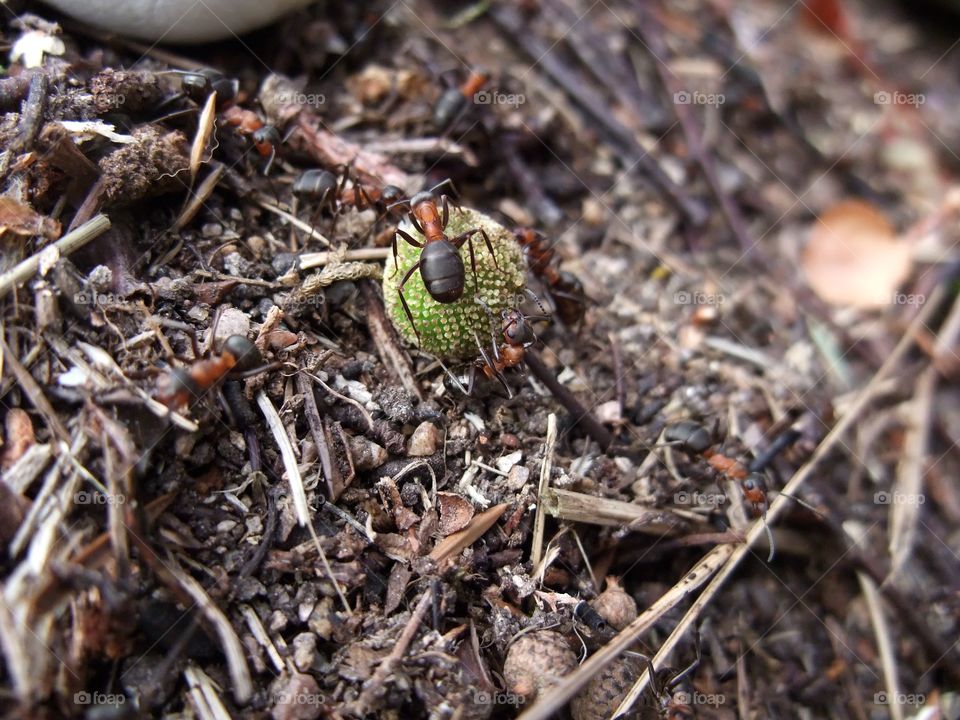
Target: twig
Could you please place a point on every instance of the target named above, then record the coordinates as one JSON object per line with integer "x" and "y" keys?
{"x": 33, "y": 391}
{"x": 782, "y": 501}
{"x": 293, "y": 220}
{"x": 375, "y": 683}
{"x": 571, "y": 684}
{"x": 545, "y": 468}
{"x": 385, "y": 340}
{"x": 316, "y": 429}
{"x": 73, "y": 240}
{"x": 581, "y": 416}
{"x": 596, "y": 106}
{"x": 312, "y": 260}
{"x": 652, "y": 33}
{"x": 296, "y": 486}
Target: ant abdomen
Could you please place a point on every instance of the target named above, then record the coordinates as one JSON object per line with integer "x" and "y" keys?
{"x": 442, "y": 270}
{"x": 244, "y": 352}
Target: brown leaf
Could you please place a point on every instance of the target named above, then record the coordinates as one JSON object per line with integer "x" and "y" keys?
{"x": 455, "y": 512}
{"x": 20, "y": 437}
{"x": 21, "y": 219}
{"x": 853, "y": 256}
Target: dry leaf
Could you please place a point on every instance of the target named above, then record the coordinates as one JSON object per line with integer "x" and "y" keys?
{"x": 456, "y": 512}
{"x": 854, "y": 257}
{"x": 21, "y": 219}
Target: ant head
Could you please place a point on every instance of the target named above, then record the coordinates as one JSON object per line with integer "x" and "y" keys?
{"x": 420, "y": 198}
{"x": 244, "y": 352}
{"x": 267, "y": 135}
{"x": 391, "y": 195}
{"x": 200, "y": 83}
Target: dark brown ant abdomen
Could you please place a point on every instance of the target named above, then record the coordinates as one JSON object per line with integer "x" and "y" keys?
{"x": 442, "y": 270}
{"x": 244, "y": 353}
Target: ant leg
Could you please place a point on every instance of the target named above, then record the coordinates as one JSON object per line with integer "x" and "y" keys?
{"x": 416, "y": 224}
{"x": 458, "y": 242}
{"x": 270, "y": 159}
{"x": 446, "y": 212}
{"x": 453, "y": 378}
{"x": 410, "y": 240}
{"x": 493, "y": 325}
{"x": 486, "y": 239}
{"x": 544, "y": 315}
{"x": 678, "y": 678}
{"x": 403, "y": 300}
{"x": 496, "y": 372}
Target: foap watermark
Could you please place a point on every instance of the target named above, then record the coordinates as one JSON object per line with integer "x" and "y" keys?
{"x": 885, "y": 698}
{"x": 495, "y": 97}
{"x": 695, "y": 97}
{"x": 699, "y": 498}
{"x": 98, "y": 698}
{"x": 304, "y": 99}
{"x": 484, "y": 697}
{"x": 898, "y": 498}
{"x": 683, "y": 297}
{"x": 96, "y": 298}
{"x": 299, "y": 698}
{"x": 85, "y": 497}
{"x": 908, "y": 299}
{"x": 699, "y": 698}
{"x": 884, "y": 97}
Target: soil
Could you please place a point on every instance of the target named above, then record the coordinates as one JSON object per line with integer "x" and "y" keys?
{"x": 314, "y": 520}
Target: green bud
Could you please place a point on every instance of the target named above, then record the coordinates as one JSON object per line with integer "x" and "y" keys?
{"x": 447, "y": 329}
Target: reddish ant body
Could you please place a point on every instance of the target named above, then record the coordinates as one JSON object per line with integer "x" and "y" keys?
{"x": 518, "y": 335}
{"x": 454, "y": 101}
{"x": 564, "y": 288}
{"x": 440, "y": 264}
{"x": 179, "y": 386}
{"x": 266, "y": 138}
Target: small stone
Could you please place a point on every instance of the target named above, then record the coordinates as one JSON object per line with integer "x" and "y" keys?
{"x": 299, "y": 698}
{"x": 212, "y": 230}
{"x": 304, "y": 650}
{"x": 424, "y": 441}
{"x": 366, "y": 454}
{"x": 517, "y": 477}
{"x": 248, "y": 588}
{"x": 278, "y": 621}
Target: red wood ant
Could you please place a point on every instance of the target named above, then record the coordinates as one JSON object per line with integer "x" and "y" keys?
{"x": 673, "y": 690}
{"x": 518, "y": 335}
{"x": 266, "y": 138}
{"x": 440, "y": 264}
{"x": 564, "y": 288}
{"x": 696, "y": 440}
{"x": 180, "y": 386}
{"x": 197, "y": 85}
{"x": 454, "y": 101}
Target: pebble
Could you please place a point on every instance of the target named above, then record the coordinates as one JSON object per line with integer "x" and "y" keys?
{"x": 366, "y": 454}
{"x": 424, "y": 441}
{"x": 299, "y": 698}
{"x": 304, "y": 650}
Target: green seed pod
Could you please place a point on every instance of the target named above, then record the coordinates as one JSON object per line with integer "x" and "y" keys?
{"x": 447, "y": 329}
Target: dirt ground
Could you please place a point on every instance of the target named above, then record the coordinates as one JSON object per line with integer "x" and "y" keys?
{"x": 747, "y": 217}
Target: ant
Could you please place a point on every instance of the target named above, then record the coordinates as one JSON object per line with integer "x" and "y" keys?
{"x": 454, "y": 101}
{"x": 266, "y": 138}
{"x": 238, "y": 358}
{"x": 440, "y": 264}
{"x": 694, "y": 439}
{"x": 673, "y": 690}
{"x": 518, "y": 335}
{"x": 564, "y": 288}
{"x": 197, "y": 85}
